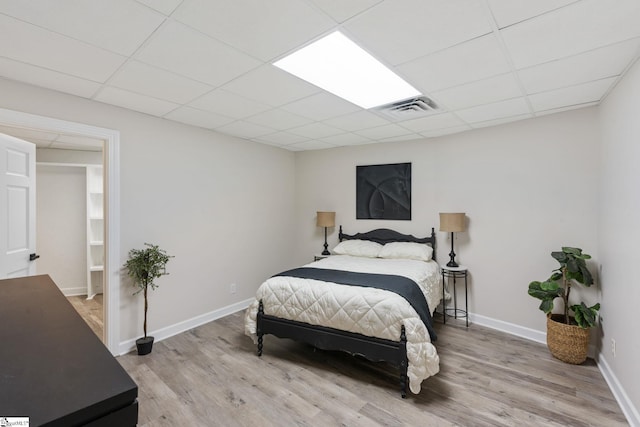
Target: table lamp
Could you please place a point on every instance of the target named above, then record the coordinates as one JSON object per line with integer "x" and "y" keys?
{"x": 326, "y": 219}
{"x": 454, "y": 223}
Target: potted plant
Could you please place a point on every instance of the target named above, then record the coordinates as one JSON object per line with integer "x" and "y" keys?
{"x": 567, "y": 336}
{"x": 144, "y": 266}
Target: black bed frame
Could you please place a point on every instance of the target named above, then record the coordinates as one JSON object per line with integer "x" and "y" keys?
{"x": 324, "y": 338}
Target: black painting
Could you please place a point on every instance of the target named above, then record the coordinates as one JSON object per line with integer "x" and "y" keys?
{"x": 383, "y": 191}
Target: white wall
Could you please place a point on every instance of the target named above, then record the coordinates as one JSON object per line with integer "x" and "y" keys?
{"x": 221, "y": 205}
{"x": 619, "y": 232}
{"x": 528, "y": 188}
{"x": 61, "y": 226}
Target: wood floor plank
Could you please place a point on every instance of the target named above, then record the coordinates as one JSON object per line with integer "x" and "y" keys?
{"x": 211, "y": 376}
{"x": 91, "y": 311}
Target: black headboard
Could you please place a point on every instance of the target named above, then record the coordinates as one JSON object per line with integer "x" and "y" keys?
{"x": 385, "y": 235}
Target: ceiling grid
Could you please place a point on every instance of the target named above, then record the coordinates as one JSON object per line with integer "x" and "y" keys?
{"x": 208, "y": 63}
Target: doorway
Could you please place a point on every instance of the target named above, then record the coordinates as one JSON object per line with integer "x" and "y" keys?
{"x": 10, "y": 119}
{"x": 70, "y": 222}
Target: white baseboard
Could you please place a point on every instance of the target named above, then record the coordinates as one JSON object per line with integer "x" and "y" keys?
{"x": 74, "y": 292}
{"x": 627, "y": 407}
{"x": 164, "y": 333}
{"x": 510, "y": 328}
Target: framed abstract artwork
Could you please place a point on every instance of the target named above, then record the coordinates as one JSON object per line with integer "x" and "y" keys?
{"x": 383, "y": 191}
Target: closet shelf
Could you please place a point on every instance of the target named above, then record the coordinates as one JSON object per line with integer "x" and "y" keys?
{"x": 95, "y": 230}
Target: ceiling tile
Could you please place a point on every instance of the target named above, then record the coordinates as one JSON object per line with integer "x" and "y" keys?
{"x": 263, "y": 29}
{"x": 486, "y": 91}
{"x": 222, "y": 102}
{"x": 316, "y": 130}
{"x": 508, "y": 12}
{"x": 579, "y": 27}
{"x": 278, "y": 119}
{"x": 501, "y": 121}
{"x": 282, "y": 138}
{"x": 29, "y": 134}
{"x": 381, "y": 132}
{"x": 399, "y": 31}
{"x": 474, "y": 60}
{"x": 565, "y": 108}
{"x": 497, "y": 110}
{"x": 47, "y": 49}
{"x": 309, "y": 145}
{"x": 166, "y": 7}
{"x": 596, "y": 64}
{"x": 184, "y": 51}
{"x": 135, "y": 101}
{"x": 346, "y": 139}
{"x": 118, "y": 26}
{"x": 572, "y": 95}
{"x": 244, "y": 129}
{"x": 47, "y": 78}
{"x": 147, "y": 80}
{"x": 81, "y": 140}
{"x": 341, "y": 10}
{"x": 194, "y": 117}
{"x": 40, "y": 144}
{"x": 432, "y": 122}
{"x": 292, "y": 147}
{"x": 270, "y": 85}
{"x": 77, "y": 147}
{"x": 321, "y": 106}
{"x": 446, "y": 131}
{"x": 357, "y": 121}
{"x": 408, "y": 137}
{"x": 274, "y": 144}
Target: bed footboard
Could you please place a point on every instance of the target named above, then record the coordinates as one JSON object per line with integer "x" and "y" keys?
{"x": 371, "y": 348}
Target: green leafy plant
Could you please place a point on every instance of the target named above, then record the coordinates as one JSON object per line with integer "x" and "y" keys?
{"x": 573, "y": 269}
{"x": 144, "y": 266}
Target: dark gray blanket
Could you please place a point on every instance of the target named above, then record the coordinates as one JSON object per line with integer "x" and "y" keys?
{"x": 406, "y": 288}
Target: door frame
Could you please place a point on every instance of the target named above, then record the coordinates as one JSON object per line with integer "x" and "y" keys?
{"x": 111, "y": 167}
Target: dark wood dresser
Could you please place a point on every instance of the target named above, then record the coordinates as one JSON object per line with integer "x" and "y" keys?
{"x": 53, "y": 368}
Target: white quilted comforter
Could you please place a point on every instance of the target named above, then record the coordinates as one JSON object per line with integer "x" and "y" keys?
{"x": 368, "y": 311}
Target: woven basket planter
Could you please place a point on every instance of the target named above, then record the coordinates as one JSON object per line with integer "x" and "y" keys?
{"x": 568, "y": 343}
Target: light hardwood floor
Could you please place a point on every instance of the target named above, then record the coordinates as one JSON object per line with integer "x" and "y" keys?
{"x": 211, "y": 376}
{"x": 91, "y": 311}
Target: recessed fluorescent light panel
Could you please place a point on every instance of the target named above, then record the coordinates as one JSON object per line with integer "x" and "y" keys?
{"x": 338, "y": 65}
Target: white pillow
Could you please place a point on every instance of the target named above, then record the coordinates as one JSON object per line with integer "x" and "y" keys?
{"x": 363, "y": 248}
{"x": 406, "y": 250}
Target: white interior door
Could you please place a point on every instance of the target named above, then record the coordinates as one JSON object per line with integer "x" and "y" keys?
{"x": 17, "y": 208}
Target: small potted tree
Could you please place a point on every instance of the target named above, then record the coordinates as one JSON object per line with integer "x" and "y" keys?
{"x": 144, "y": 266}
{"x": 567, "y": 336}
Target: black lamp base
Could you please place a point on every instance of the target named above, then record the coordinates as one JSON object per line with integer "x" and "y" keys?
{"x": 452, "y": 255}
{"x": 326, "y": 246}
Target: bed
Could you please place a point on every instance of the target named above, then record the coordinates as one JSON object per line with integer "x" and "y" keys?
{"x": 374, "y": 298}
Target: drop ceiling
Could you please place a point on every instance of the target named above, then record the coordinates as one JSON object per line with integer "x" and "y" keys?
{"x": 43, "y": 138}
{"x": 208, "y": 63}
